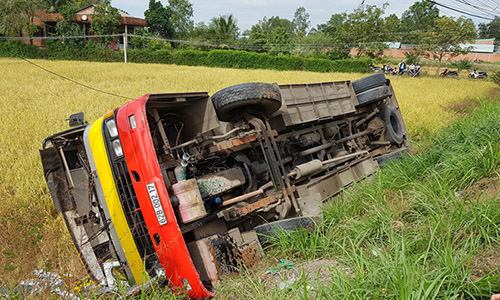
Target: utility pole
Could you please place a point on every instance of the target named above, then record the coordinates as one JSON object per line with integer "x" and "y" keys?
{"x": 125, "y": 43}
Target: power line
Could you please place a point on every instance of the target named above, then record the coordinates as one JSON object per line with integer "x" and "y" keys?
{"x": 74, "y": 81}
{"x": 458, "y": 10}
{"x": 263, "y": 47}
{"x": 223, "y": 44}
{"x": 486, "y": 5}
{"x": 482, "y": 9}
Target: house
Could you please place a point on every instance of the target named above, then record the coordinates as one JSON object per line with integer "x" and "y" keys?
{"x": 481, "y": 50}
{"x": 46, "y": 23}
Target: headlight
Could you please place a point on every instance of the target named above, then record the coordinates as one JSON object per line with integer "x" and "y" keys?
{"x": 117, "y": 147}
{"x": 112, "y": 130}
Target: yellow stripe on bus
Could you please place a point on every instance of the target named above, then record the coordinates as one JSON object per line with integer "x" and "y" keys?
{"x": 101, "y": 159}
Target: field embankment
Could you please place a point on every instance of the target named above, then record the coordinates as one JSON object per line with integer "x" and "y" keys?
{"x": 35, "y": 104}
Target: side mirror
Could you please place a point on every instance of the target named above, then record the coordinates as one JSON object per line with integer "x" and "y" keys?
{"x": 76, "y": 119}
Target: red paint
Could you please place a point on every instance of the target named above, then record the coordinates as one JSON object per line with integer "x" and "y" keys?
{"x": 140, "y": 156}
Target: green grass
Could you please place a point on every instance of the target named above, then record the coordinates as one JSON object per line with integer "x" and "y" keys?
{"x": 415, "y": 229}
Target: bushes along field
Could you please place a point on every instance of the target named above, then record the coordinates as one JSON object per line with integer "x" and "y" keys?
{"x": 419, "y": 192}
{"x": 214, "y": 58}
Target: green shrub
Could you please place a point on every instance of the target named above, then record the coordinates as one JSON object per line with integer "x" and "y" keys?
{"x": 412, "y": 57}
{"x": 57, "y": 49}
{"x": 17, "y": 49}
{"x": 462, "y": 64}
{"x": 190, "y": 58}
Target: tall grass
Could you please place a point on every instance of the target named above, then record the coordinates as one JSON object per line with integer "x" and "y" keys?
{"x": 414, "y": 230}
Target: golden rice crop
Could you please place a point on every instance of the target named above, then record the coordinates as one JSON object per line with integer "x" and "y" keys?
{"x": 35, "y": 104}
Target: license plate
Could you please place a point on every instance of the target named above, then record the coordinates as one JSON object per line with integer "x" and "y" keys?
{"x": 155, "y": 200}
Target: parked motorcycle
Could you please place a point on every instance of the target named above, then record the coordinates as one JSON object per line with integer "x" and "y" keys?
{"x": 478, "y": 75}
{"x": 447, "y": 73}
{"x": 373, "y": 68}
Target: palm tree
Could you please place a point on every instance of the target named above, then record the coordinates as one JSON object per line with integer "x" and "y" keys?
{"x": 223, "y": 28}
{"x": 54, "y": 5}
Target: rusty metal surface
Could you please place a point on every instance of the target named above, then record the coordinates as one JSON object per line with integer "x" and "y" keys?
{"x": 219, "y": 255}
{"x": 235, "y": 212}
{"x": 250, "y": 255}
{"x": 256, "y": 205}
{"x": 234, "y": 142}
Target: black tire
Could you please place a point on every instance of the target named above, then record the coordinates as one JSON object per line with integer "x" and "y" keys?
{"x": 253, "y": 97}
{"x": 393, "y": 126}
{"x": 373, "y": 95}
{"x": 368, "y": 82}
{"x": 266, "y": 232}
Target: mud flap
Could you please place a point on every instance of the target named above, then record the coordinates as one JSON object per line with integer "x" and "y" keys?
{"x": 222, "y": 254}
{"x": 55, "y": 177}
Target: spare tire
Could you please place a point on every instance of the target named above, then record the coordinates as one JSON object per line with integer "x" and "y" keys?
{"x": 368, "y": 82}
{"x": 266, "y": 232}
{"x": 393, "y": 126}
{"x": 373, "y": 95}
{"x": 253, "y": 97}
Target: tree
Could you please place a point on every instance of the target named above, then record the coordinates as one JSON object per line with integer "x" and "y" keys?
{"x": 392, "y": 24}
{"x": 10, "y": 23}
{"x": 17, "y": 17}
{"x": 66, "y": 26}
{"x": 280, "y": 41}
{"x": 158, "y": 18}
{"x": 490, "y": 30}
{"x": 417, "y": 19}
{"x": 366, "y": 29}
{"x": 444, "y": 38}
{"x": 321, "y": 45}
{"x": 55, "y": 5}
{"x": 268, "y": 25}
{"x": 301, "y": 21}
{"x": 223, "y": 29}
{"x": 105, "y": 21}
{"x": 272, "y": 34}
{"x": 84, "y": 3}
{"x": 200, "y": 31}
{"x": 331, "y": 27}
{"x": 181, "y": 14}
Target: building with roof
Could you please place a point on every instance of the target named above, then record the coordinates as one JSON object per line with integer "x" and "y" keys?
{"x": 46, "y": 23}
{"x": 481, "y": 50}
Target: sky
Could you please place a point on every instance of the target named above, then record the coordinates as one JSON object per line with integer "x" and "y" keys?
{"x": 250, "y": 12}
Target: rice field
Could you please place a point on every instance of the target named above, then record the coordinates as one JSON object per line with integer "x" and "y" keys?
{"x": 35, "y": 104}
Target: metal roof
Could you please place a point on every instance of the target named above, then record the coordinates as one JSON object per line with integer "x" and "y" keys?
{"x": 480, "y": 48}
{"x": 393, "y": 45}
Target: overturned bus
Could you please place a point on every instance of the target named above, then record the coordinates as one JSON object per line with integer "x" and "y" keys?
{"x": 182, "y": 185}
